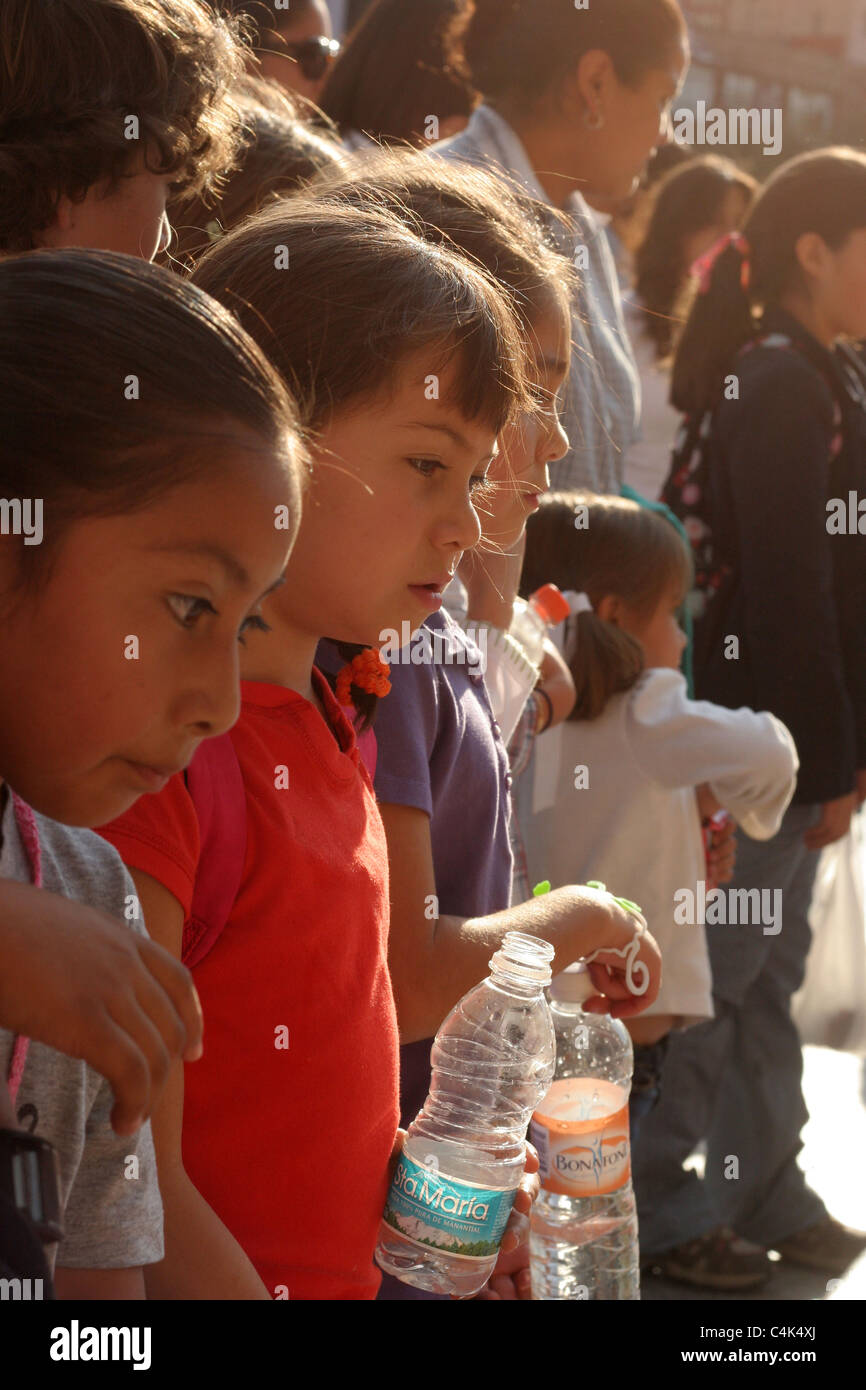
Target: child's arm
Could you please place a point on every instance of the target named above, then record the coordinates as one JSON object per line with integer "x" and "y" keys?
{"x": 202, "y": 1258}
{"x": 557, "y": 683}
{"x": 748, "y": 759}
{"x": 74, "y": 978}
{"x": 434, "y": 962}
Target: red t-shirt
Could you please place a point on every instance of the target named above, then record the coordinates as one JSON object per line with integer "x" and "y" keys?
{"x": 290, "y": 1145}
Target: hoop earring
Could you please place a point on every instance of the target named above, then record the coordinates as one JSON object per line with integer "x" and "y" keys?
{"x": 593, "y": 120}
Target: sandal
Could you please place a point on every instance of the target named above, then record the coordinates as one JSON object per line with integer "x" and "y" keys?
{"x": 718, "y": 1260}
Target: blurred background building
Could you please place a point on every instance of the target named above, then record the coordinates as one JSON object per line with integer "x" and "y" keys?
{"x": 807, "y": 57}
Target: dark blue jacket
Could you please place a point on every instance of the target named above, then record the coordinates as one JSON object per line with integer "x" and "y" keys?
{"x": 796, "y": 597}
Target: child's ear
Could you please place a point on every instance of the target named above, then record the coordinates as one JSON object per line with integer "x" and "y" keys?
{"x": 610, "y": 609}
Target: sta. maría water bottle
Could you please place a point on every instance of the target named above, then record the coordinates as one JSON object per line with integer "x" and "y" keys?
{"x": 463, "y": 1157}
{"x": 583, "y": 1227}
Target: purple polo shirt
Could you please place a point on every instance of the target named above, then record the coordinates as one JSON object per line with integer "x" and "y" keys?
{"x": 440, "y": 749}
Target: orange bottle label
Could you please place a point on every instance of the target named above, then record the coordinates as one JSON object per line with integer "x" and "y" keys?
{"x": 581, "y": 1133}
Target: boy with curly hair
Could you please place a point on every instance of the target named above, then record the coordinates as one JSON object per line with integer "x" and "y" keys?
{"x": 106, "y": 108}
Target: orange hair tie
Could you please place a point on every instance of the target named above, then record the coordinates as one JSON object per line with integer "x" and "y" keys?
{"x": 366, "y": 671}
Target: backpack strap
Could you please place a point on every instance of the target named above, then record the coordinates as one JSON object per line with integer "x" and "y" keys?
{"x": 214, "y": 781}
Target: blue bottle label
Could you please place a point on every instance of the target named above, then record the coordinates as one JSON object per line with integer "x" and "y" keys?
{"x": 457, "y": 1218}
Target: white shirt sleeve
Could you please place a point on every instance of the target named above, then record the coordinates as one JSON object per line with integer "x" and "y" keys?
{"x": 748, "y": 759}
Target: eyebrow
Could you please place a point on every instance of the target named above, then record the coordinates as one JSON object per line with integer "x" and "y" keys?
{"x": 454, "y": 435}
{"x": 208, "y": 551}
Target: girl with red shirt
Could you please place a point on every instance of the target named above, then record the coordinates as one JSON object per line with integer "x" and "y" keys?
{"x": 407, "y": 363}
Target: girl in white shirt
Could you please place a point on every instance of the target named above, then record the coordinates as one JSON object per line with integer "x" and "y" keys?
{"x": 619, "y": 788}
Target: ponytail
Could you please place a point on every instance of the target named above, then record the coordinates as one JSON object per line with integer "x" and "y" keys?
{"x": 603, "y": 546}
{"x": 720, "y": 323}
{"x": 604, "y": 660}
{"x": 822, "y": 192}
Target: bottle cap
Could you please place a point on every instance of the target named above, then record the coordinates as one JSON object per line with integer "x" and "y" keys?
{"x": 551, "y": 603}
{"x": 526, "y": 957}
{"x": 573, "y": 985}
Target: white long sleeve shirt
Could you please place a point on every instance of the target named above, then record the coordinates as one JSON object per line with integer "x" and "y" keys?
{"x": 635, "y": 825}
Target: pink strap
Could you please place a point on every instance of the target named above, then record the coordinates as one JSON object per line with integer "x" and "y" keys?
{"x": 26, "y": 822}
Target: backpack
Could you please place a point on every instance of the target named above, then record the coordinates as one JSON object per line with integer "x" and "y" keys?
{"x": 215, "y": 784}
{"x": 688, "y": 490}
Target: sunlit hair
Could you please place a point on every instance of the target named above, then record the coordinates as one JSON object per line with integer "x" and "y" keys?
{"x": 360, "y": 295}
{"x": 71, "y": 74}
{"x": 619, "y": 549}
{"x": 469, "y": 210}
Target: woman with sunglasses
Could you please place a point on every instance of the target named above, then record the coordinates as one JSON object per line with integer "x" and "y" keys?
{"x": 575, "y": 101}
{"x": 294, "y": 47}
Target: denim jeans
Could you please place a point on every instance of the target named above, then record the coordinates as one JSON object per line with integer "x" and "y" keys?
{"x": 734, "y": 1082}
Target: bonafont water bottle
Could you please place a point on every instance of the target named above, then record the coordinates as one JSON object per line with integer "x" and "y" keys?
{"x": 463, "y": 1157}
{"x": 583, "y": 1227}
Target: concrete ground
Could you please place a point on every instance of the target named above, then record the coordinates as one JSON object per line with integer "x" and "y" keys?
{"x": 834, "y": 1158}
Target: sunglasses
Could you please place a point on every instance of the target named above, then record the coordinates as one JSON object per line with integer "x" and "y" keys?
{"x": 313, "y": 56}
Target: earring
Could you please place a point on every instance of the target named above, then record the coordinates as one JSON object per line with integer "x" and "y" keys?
{"x": 593, "y": 120}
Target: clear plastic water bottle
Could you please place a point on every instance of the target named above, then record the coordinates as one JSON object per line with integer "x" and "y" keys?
{"x": 583, "y": 1229}
{"x": 532, "y": 617}
{"x": 463, "y": 1157}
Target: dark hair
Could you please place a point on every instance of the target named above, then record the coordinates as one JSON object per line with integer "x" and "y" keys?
{"x": 362, "y": 293}
{"x": 75, "y": 327}
{"x": 467, "y": 209}
{"x": 823, "y": 192}
{"x": 688, "y": 200}
{"x": 73, "y": 71}
{"x": 280, "y": 153}
{"x": 402, "y": 63}
{"x": 619, "y": 548}
{"x": 519, "y": 51}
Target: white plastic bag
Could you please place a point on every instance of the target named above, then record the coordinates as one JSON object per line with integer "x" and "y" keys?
{"x": 830, "y": 1009}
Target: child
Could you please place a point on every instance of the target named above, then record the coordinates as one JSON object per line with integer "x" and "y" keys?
{"x": 362, "y": 321}
{"x": 441, "y": 758}
{"x": 774, "y": 450}
{"x": 692, "y": 207}
{"x": 93, "y": 713}
{"x": 103, "y": 108}
{"x": 635, "y": 750}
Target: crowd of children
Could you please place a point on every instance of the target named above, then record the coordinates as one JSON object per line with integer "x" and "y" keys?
{"x": 267, "y": 398}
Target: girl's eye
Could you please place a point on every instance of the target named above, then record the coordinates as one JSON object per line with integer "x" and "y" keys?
{"x": 188, "y": 609}
{"x": 255, "y": 622}
{"x": 426, "y": 467}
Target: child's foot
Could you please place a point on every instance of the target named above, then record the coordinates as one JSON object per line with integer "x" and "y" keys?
{"x": 718, "y": 1260}
{"x": 827, "y": 1245}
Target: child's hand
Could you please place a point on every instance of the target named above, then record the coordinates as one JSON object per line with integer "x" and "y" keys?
{"x": 510, "y": 1278}
{"x": 77, "y": 980}
{"x": 608, "y": 969}
{"x": 722, "y": 854}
